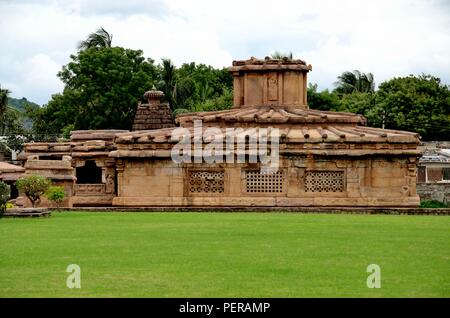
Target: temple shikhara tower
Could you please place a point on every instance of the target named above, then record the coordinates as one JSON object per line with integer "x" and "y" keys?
{"x": 324, "y": 158}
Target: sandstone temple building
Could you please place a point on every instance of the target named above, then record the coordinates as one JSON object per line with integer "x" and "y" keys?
{"x": 324, "y": 158}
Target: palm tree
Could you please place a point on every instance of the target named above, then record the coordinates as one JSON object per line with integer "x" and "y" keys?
{"x": 100, "y": 39}
{"x": 355, "y": 82}
{"x": 205, "y": 91}
{"x": 3, "y": 100}
{"x": 168, "y": 80}
{"x": 279, "y": 55}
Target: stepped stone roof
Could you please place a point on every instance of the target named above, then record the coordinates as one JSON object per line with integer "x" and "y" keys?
{"x": 270, "y": 115}
{"x": 340, "y": 140}
{"x": 153, "y": 114}
{"x": 83, "y": 143}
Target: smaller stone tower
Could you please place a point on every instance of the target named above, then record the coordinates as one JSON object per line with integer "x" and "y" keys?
{"x": 153, "y": 114}
{"x": 270, "y": 82}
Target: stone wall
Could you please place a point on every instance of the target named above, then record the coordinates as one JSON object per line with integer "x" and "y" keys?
{"x": 300, "y": 181}
{"x": 434, "y": 191}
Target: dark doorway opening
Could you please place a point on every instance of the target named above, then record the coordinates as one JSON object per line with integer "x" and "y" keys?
{"x": 89, "y": 173}
{"x": 14, "y": 192}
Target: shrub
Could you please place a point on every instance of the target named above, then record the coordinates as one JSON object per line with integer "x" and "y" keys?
{"x": 4, "y": 196}
{"x": 34, "y": 186}
{"x": 56, "y": 194}
{"x": 433, "y": 204}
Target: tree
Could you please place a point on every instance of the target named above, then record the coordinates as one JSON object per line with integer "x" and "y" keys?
{"x": 192, "y": 84}
{"x": 3, "y": 99}
{"x": 359, "y": 103}
{"x": 222, "y": 102}
{"x": 168, "y": 81}
{"x": 354, "y": 82}
{"x": 420, "y": 104}
{"x": 51, "y": 121}
{"x": 324, "y": 100}
{"x": 102, "y": 89}
{"x": 100, "y": 39}
{"x": 56, "y": 194}
{"x": 4, "y": 196}
{"x": 34, "y": 186}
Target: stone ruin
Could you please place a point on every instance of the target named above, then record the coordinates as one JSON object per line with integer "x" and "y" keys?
{"x": 325, "y": 158}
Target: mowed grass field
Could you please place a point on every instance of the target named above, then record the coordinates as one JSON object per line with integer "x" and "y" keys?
{"x": 224, "y": 255}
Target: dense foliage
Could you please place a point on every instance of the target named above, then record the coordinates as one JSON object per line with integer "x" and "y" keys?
{"x": 56, "y": 194}
{"x": 34, "y": 187}
{"x": 103, "y": 87}
{"x": 4, "y": 196}
{"x": 433, "y": 204}
{"x": 421, "y": 104}
{"x": 414, "y": 103}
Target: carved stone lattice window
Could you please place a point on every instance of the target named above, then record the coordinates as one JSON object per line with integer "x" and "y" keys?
{"x": 324, "y": 181}
{"x": 206, "y": 182}
{"x": 257, "y": 182}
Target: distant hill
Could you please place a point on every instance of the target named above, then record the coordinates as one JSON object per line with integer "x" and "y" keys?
{"x": 19, "y": 103}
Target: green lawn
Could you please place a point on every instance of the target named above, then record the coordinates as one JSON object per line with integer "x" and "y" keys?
{"x": 225, "y": 255}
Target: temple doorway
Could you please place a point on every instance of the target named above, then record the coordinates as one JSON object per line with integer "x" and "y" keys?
{"x": 89, "y": 173}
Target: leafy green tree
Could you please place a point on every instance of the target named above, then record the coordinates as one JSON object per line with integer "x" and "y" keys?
{"x": 222, "y": 102}
{"x": 355, "y": 82}
{"x": 4, "y": 196}
{"x": 34, "y": 187}
{"x": 420, "y": 104}
{"x": 106, "y": 86}
{"x": 52, "y": 121}
{"x": 324, "y": 100}
{"x": 102, "y": 88}
{"x": 100, "y": 39}
{"x": 190, "y": 85}
{"x": 359, "y": 103}
{"x": 56, "y": 194}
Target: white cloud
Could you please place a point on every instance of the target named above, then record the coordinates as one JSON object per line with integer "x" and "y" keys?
{"x": 387, "y": 38}
{"x": 33, "y": 77}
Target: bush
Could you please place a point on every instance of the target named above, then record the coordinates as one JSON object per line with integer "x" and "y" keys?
{"x": 4, "y": 196}
{"x": 34, "y": 186}
{"x": 56, "y": 194}
{"x": 433, "y": 204}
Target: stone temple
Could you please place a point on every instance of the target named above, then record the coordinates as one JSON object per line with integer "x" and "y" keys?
{"x": 323, "y": 158}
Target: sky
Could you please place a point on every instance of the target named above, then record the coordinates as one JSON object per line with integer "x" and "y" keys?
{"x": 389, "y": 38}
